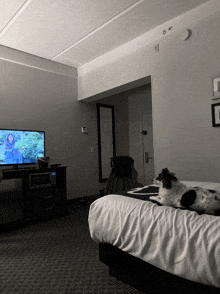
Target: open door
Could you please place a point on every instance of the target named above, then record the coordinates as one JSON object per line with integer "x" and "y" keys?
{"x": 147, "y": 147}
{"x": 141, "y": 133}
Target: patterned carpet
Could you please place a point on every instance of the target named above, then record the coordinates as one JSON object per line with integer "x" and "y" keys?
{"x": 57, "y": 256}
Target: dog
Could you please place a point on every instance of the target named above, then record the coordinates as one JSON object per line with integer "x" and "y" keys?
{"x": 175, "y": 194}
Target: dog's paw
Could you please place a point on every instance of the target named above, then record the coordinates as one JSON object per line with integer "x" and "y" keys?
{"x": 156, "y": 199}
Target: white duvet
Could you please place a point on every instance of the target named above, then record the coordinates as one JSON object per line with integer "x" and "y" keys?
{"x": 178, "y": 241}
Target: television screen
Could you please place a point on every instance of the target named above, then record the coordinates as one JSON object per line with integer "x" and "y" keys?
{"x": 21, "y": 147}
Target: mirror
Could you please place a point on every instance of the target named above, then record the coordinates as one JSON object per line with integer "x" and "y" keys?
{"x": 106, "y": 139}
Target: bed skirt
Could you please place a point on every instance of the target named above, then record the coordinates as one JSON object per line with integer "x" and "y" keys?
{"x": 146, "y": 277}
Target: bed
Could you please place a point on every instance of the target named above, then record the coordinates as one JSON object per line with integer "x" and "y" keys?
{"x": 157, "y": 247}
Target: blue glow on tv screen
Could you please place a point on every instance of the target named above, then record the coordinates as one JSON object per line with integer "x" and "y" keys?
{"x": 21, "y": 147}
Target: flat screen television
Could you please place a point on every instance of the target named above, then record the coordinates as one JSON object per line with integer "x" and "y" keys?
{"x": 20, "y": 147}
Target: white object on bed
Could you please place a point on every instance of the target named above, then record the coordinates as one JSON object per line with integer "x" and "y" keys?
{"x": 180, "y": 242}
{"x": 136, "y": 191}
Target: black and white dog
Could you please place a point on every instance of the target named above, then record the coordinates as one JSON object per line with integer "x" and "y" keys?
{"x": 175, "y": 194}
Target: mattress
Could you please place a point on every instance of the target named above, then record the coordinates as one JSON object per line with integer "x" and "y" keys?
{"x": 181, "y": 242}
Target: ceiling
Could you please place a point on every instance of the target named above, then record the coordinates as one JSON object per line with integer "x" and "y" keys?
{"x": 74, "y": 32}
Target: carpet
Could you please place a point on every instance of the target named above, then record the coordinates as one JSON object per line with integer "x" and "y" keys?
{"x": 56, "y": 256}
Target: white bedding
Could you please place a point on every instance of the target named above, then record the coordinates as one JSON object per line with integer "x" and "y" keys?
{"x": 178, "y": 241}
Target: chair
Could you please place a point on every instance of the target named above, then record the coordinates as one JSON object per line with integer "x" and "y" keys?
{"x": 123, "y": 176}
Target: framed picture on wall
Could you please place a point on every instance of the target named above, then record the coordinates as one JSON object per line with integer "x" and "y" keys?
{"x": 216, "y": 115}
{"x": 216, "y": 87}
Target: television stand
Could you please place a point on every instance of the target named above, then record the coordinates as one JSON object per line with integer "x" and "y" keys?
{"x": 47, "y": 197}
{"x": 18, "y": 167}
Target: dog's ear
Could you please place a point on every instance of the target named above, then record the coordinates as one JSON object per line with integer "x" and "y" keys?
{"x": 166, "y": 171}
{"x": 188, "y": 198}
{"x": 167, "y": 178}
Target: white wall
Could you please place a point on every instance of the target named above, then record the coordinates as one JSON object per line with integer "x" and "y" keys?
{"x": 46, "y": 99}
{"x": 41, "y": 95}
{"x": 181, "y": 74}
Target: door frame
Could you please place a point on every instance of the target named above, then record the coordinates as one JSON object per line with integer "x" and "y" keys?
{"x": 99, "y": 106}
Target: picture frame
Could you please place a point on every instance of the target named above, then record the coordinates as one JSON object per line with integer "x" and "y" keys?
{"x": 216, "y": 87}
{"x": 216, "y": 115}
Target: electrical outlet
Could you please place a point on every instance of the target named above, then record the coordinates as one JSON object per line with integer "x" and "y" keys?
{"x": 84, "y": 130}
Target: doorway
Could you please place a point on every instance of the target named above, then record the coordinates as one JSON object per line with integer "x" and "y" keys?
{"x": 133, "y": 114}
{"x": 141, "y": 133}
{"x": 147, "y": 147}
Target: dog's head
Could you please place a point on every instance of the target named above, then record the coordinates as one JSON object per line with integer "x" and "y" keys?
{"x": 165, "y": 178}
